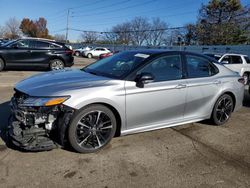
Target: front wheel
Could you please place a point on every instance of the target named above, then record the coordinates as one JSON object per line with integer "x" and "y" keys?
{"x": 56, "y": 64}
{"x": 223, "y": 109}
{"x": 1, "y": 64}
{"x": 92, "y": 128}
{"x": 89, "y": 56}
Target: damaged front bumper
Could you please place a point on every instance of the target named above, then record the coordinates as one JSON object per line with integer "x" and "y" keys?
{"x": 37, "y": 128}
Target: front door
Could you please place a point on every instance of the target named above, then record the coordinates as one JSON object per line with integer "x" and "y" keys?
{"x": 18, "y": 53}
{"x": 158, "y": 103}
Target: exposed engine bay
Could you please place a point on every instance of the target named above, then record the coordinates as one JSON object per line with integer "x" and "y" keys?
{"x": 37, "y": 128}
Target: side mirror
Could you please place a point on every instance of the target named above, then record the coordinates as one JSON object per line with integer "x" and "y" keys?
{"x": 144, "y": 78}
{"x": 225, "y": 62}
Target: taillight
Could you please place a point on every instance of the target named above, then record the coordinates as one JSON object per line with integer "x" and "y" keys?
{"x": 69, "y": 51}
{"x": 241, "y": 80}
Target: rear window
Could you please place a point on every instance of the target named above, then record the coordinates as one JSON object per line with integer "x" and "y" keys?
{"x": 198, "y": 67}
{"x": 247, "y": 59}
{"x": 236, "y": 59}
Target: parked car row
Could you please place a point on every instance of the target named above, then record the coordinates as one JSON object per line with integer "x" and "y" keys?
{"x": 35, "y": 53}
{"x": 237, "y": 62}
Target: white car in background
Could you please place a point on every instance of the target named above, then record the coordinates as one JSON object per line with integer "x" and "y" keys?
{"x": 96, "y": 52}
{"x": 79, "y": 51}
{"x": 237, "y": 62}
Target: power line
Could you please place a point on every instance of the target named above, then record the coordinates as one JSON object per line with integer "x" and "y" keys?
{"x": 166, "y": 16}
{"x": 102, "y": 7}
{"x": 117, "y": 10}
{"x": 143, "y": 12}
{"x": 129, "y": 31}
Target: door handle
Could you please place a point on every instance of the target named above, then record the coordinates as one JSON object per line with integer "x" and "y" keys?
{"x": 217, "y": 82}
{"x": 29, "y": 51}
{"x": 181, "y": 86}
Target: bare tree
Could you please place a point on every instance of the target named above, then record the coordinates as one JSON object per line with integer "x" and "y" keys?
{"x": 59, "y": 37}
{"x": 2, "y": 32}
{"x": 89, "y": 37}
{"x": 122, "y": 33}
{"x": 157, "y": 32}
{"x": 140, "y": 27}
{"x": 12, "y": 26}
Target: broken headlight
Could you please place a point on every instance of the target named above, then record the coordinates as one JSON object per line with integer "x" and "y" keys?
{"x": 44, "y": 101}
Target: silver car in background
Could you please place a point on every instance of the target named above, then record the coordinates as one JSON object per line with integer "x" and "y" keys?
{"x": 127, "y": 93}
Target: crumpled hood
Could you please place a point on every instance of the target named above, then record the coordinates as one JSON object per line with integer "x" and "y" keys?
{"x": 56, "y": 82}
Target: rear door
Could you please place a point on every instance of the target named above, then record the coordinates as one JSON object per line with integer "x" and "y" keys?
{"x": 202, "y": 86}
{"x": 39, "y": 55}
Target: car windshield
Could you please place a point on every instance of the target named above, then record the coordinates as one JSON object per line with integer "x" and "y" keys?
{"x": 8, "y": 43}
{"x": 247, "y": 59}
{"x": 117, "y": 66}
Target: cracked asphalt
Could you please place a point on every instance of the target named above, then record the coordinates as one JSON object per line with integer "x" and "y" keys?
{"x": 192, "y": 155}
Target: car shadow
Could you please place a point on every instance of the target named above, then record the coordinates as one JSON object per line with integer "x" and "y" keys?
{"x": 246, "y": 101}
{"x": 4, "y": 118}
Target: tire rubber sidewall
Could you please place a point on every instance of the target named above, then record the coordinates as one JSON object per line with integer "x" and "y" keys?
{"x": 89, "y": 56}
{"x": 213, "y": 117}
{"x": 52, "y": 61}
{"x": 78, "y": 116}
{"x": 2, "y": 65}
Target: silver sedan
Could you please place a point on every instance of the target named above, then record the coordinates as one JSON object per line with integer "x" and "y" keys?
{"x": 130, "y": 92}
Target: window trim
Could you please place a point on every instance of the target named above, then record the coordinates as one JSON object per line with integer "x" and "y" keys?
{"x": 211, "y": 63}
{"x": 132, "y": 75}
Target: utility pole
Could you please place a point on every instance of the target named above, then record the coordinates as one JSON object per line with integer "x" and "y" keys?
{"x": 67, "y": 26}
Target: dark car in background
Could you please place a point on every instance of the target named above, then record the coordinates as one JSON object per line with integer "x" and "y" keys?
{"x": 35, "y": 53}
{"x": 3, "y": 41}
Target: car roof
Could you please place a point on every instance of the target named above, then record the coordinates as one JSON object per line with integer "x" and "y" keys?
{"x": 234, "y": 54}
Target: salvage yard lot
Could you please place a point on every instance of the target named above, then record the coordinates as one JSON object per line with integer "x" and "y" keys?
{"x": 192, "y": 155}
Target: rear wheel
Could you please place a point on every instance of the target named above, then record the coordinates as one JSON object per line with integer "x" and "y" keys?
{"x": 223, "y": 109}
{"x": 77, "y": 53}
{"x": 89, "y": 56}
{"x": 92, "y": 129}
{"x": 2, "y": 65}
{"x": 56, "y": 64}
{"x": 246, "y": 78}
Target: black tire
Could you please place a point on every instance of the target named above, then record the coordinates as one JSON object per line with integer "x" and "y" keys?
{"x": 246, "y": 78}
{"x": 88, "y": 133}
{"x": 89, "y": 56}
{"x": 223, "y": 109}
{"x": 56, "y": 64}
{"x": 2, "y": 65}
{"x": 77, "y": 53}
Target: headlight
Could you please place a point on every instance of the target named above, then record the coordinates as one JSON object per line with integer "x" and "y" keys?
{"x": 44, "y": 101}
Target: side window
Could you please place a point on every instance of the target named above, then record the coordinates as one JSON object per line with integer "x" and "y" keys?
{"x": 236, "y": 59}
{"x": 165, "y": 68}
{"x": 198, "y": 67}
{"x": 54, "y": 46}
{"x": 22, "y": 44}
{"x": 40, "y": 44}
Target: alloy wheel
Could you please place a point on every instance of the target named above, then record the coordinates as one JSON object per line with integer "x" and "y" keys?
{"x": 57, "y": 65}
{"x": 224, "y": 109}
{"x": 93, "y": 130}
